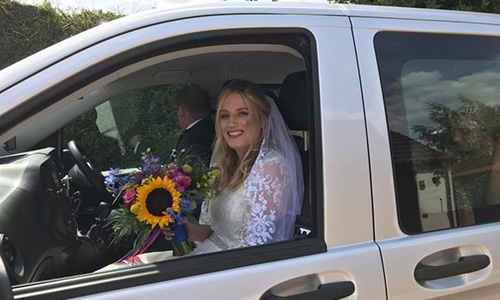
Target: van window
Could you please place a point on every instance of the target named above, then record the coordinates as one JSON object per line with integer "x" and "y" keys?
{"x": 140, "y": 105}
{"x": 442, "y": 100}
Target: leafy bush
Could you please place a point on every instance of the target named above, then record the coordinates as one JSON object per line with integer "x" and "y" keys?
{"x": 27, "y": 29}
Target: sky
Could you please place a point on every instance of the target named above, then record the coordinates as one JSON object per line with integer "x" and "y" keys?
{"x": 426, "y": 81}
{"x": 124, "y": 6}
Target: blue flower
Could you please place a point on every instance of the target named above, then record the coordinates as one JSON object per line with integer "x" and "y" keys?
{"x": 185, "y": 205}
{"x": 150, "y": 164}
{"x": 109, "y": 181}
{"x": 174, "y": 216}
{"x": 113, "y": 181}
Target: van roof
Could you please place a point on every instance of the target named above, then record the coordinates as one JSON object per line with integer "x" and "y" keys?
{"x": 322, "y": 7}
{"x": 50, "y": 55}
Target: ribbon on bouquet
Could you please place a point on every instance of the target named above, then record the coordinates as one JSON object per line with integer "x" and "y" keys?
{"x": 180, "y": 233}
{"x": 151, "y": 237}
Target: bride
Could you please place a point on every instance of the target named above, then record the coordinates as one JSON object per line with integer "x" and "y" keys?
{"x": 259, "y": 188}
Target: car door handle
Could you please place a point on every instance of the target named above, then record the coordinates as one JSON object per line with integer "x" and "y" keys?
{"x": 465, "y": 264}
{"x": 328, "y": 291}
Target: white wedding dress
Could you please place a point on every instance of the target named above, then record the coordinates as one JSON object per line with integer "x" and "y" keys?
{"x": 250, "y": 215}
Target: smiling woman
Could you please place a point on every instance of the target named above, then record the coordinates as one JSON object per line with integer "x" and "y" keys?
{"x": 233, "y": 117}
{"x": 241, "y": 116}
{"x": 253, "y": 145}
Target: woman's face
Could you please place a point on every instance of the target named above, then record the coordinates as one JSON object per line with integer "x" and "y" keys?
{"x": 237, "y": 125}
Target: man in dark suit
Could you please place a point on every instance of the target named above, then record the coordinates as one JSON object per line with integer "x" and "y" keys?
{"x": 193, "y": 114}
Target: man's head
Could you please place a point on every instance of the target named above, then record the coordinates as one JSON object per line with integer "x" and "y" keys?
{"x": 193, "y": 103}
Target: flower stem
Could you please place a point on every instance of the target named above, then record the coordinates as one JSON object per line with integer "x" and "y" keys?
{"x": 182, "y": 248}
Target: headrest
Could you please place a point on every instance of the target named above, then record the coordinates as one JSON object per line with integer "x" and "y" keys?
{"x": 226, "y": 83}
{"x": 266, "y": 92}
{"x": 292, "y": 101}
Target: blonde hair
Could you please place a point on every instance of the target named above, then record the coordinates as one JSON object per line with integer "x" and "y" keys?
{"x": 232, "y": 171}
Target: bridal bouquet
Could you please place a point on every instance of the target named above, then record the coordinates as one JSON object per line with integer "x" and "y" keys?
{"x": 153, "y": 197}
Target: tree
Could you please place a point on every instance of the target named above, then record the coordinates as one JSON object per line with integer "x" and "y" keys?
{"x": 467, "y": 134}
{"x": 489, "y": 6}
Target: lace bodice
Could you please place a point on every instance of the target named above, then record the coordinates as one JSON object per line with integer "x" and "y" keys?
{"x": 251, "y": 214}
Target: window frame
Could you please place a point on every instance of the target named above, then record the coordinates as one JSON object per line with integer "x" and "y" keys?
{"x": 300, "y": 39}
{"x": 384, "y": 86}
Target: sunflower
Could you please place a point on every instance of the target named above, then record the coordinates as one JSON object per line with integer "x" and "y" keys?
{"x": 153, "y": 199}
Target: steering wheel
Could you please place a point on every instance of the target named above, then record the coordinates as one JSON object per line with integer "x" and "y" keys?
{"x": 93, "y": 176}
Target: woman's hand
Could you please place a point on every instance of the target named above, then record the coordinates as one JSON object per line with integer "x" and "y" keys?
{"x": 168, "y": 233}
{"x": 196, "y": 232}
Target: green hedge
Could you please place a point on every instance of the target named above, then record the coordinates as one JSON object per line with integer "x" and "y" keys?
{"x": 27, "y": 29}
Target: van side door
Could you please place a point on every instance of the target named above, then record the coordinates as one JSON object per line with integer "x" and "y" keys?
{"x": 431, "y": 94}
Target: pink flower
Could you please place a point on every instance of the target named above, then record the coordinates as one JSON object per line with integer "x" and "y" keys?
{"x": 186, "y": 180}
{"x": 128, "y": 195}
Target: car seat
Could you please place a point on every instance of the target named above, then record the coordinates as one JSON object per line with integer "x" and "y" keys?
{"x": 293, "y": 104}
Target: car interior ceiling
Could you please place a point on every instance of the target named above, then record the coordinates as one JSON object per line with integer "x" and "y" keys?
{"x": 198, "y": 69}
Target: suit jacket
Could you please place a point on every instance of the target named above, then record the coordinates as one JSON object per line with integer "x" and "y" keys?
{"x": 197, "y": 140}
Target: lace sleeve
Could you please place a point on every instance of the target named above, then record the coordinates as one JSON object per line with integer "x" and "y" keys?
{"x": 268, "y": 190}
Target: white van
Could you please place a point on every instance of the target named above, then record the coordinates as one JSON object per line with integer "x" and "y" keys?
{"x": 397, "y": 113}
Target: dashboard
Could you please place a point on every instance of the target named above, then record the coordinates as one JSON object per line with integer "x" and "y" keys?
{"x": 39, "y": 236}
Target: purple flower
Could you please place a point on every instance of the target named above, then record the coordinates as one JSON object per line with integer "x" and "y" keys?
{"x": 150, "y": 164}
{"x": 178, "y": 184}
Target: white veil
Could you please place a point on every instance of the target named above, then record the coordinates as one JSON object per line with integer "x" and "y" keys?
{"x": 275, "y": 185}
